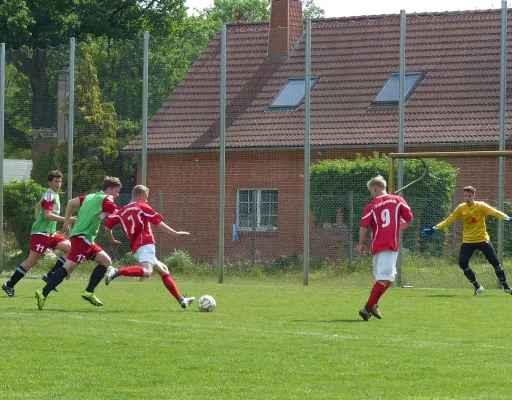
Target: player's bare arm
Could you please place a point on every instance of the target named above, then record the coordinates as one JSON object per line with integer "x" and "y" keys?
{"x": 70, "y": 208}
{"x": 166, "y": 228}
{"x": 37, "y": 209}
{"x": 48, "y": 215}
{"x": 111, "y": 239}
{"x": 362, "y": 238}
{"x": 405, "y": 224}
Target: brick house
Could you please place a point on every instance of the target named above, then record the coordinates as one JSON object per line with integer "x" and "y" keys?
{"x": 453, "y": 75}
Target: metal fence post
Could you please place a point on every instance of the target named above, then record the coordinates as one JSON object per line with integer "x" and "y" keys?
{"x": 71, "y": 113}
{"x": 145, "y": 78}
{"x": 222, "y": 153}
{"x": 351, "y": 231}
{"x": 307, "y": 151}
{"x": 2, "y": 133}
{"x": 503, "y": 109}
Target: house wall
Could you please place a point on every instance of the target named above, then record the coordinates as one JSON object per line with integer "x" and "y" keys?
{"x": 189, "y": 183}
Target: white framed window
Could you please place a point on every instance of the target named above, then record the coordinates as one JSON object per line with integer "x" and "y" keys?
{"x": 256, "y": 209}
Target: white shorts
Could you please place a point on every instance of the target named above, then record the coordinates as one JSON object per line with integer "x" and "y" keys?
{"x": 384, "y": 265}
{"x": 146, "y": 253}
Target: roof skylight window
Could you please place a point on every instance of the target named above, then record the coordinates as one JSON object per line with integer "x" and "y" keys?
{"x": 389, "y": 95}
{"x": 292, "y": 94}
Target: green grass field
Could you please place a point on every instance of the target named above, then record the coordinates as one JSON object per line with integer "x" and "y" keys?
{"x": 262, "y": 342}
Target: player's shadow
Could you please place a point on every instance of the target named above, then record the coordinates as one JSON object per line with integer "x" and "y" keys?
{"x": 440, "y": 295}
{"x": 84, "y": 311}
{"x": 329, "y": 321}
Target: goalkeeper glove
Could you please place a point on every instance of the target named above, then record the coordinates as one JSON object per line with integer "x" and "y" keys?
{"x": 428, "y": 231}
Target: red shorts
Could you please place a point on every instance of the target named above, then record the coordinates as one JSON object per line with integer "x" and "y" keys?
{"x": 81, "y": 250}
{"x": 39, "y": 243}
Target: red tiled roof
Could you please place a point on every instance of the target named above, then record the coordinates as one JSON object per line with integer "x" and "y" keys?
{"x": 458, "y": 101}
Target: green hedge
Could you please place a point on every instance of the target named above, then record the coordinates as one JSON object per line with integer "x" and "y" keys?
{"x": 332, "y": 181}
{"x": 20, "y": 198}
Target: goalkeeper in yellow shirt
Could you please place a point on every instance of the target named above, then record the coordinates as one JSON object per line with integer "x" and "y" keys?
{"x": 475, "y": 236}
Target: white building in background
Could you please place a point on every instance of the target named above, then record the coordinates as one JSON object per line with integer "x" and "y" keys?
{"x": 17, "y": 170}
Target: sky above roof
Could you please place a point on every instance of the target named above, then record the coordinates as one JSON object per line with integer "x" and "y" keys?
{"x": 375, "y": 7}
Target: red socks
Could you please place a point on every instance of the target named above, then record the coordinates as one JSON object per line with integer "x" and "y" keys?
{"x": 376, "y": 293}
{"x": 171, "y": 286}
{"x": 131, "y": 271}
{"x": 166, "y": 279}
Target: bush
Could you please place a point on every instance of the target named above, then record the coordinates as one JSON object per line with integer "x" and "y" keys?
{"x": 43, "y": 166}
{"x": 179, "y": 261}
{"x": 339, "y": 186}
{"x": 127, "y": 259}
{"x": 13, "y": 255}
{"x": 20, "y": 198}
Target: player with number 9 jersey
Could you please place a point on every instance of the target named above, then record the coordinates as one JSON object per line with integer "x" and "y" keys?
{"x": 386, "y": 215}
{"x": 383, "y": 216}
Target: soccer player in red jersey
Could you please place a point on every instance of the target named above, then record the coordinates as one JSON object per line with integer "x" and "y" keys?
{"x": 386, "y": 215}
{"x": 93, "y": 209}
{"x": 136, "y": 218}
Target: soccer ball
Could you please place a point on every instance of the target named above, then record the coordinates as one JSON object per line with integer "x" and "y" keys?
{"x": 206, "y": 303}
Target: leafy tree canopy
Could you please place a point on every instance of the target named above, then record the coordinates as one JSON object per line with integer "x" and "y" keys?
{"x": 224, "y": 11}
{"x": 41, "y": 23}
{"x": 95, "y": 147}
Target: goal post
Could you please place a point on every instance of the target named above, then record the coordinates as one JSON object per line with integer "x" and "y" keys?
{"x": 438, "y": 154}
{"x": 457, "y": 155}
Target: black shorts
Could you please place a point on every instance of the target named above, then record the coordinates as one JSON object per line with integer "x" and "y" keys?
{"x": 487, "y": 249}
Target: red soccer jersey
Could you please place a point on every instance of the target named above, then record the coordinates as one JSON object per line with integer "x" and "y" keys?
{"x": 136, "y": 220}
{"x": 383, "y": 215}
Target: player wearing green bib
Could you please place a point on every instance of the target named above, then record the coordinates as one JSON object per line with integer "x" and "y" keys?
{"x": 43, "y": 234}
{"x": 93, "y": 209}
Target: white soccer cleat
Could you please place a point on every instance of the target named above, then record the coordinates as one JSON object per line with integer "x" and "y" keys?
{"x": 479, "y": 290}
{"x": 186, "y": 301}
{"x": 112, "y": 273}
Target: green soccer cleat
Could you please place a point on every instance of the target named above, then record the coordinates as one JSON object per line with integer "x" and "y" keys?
{"x": 91, "y": 298}
{"x": 40, "y": 299}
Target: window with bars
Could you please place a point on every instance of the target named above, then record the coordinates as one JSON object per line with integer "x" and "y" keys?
{"x": 257, "y": 209}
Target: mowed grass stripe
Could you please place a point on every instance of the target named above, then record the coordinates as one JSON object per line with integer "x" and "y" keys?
{"x": 262, "y": 342}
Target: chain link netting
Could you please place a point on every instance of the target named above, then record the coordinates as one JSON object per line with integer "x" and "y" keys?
{"x": 264, "y": 202}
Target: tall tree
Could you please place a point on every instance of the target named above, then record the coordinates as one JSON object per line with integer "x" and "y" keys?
{"x": 95, "y": 145}
{"x": 223, "y": 11}
{"x": 33, "y": 24}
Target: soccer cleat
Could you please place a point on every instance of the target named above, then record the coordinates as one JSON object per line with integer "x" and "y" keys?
{"x": 186, "y": 301}
{"x": 40, "y": 299}
{"x": 9, "y": 290}
{"x": 365, "y": 314}
{"x": 508, "y": 290}
{"x": 375, "y": 311}
{"x": 111, "y": 274}
{"x": 45, "y": 279}
{"x": 479, "y": 290}
{"x": 91, "y": 298}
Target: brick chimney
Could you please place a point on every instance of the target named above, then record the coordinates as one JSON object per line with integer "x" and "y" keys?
{"x": 286, "y": 26}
